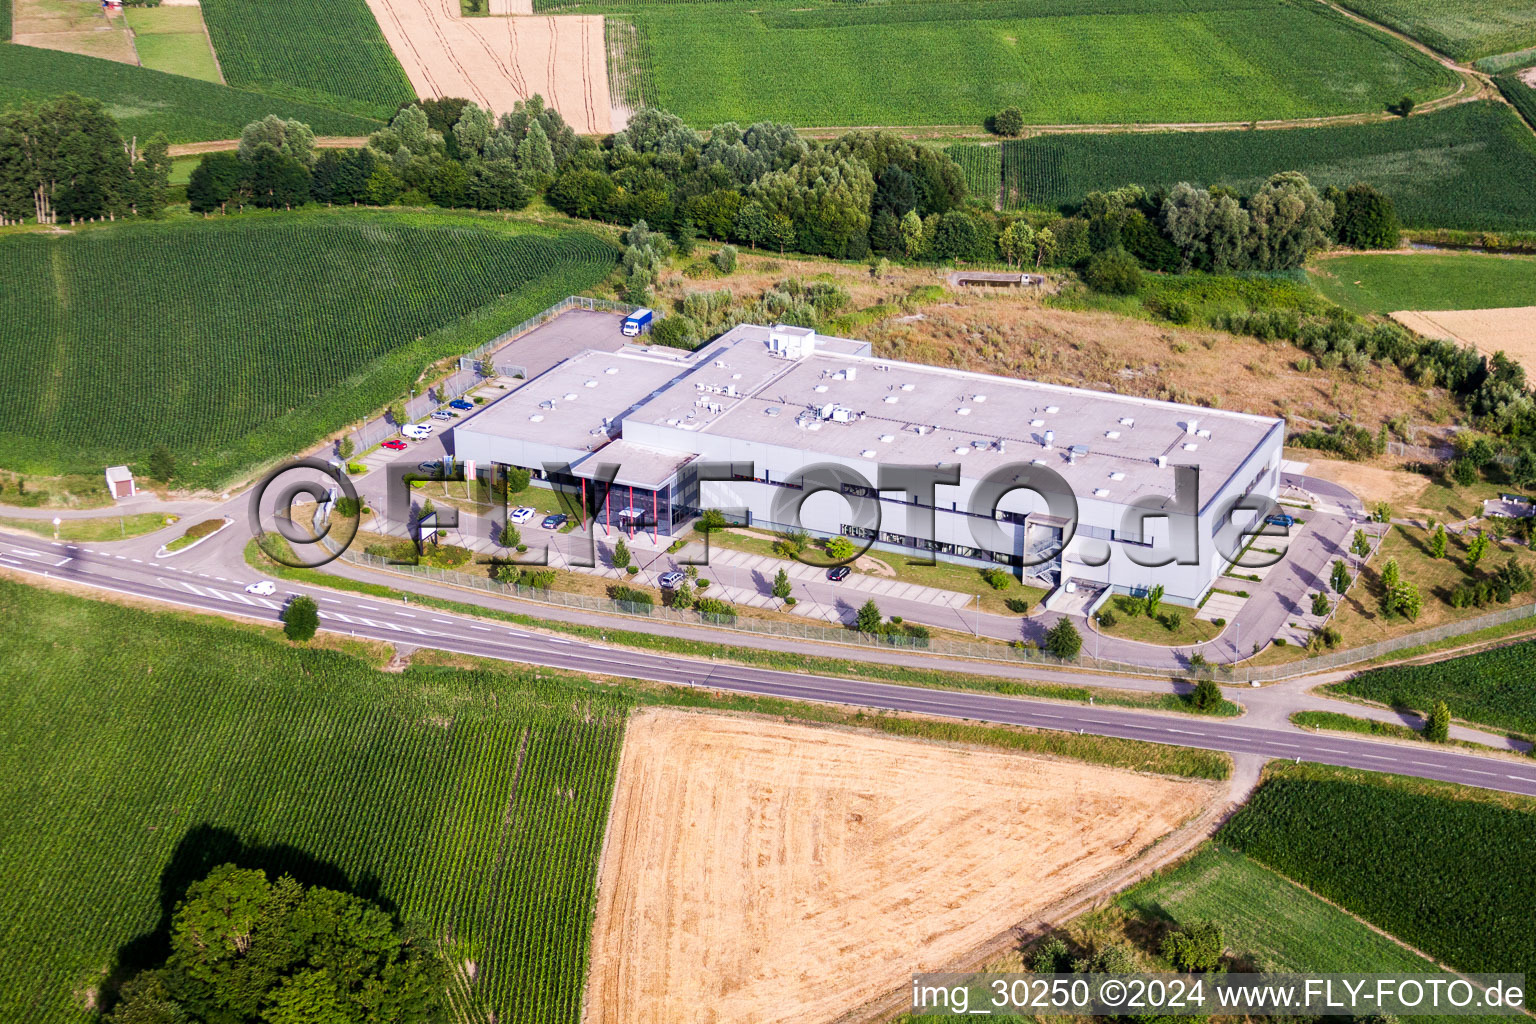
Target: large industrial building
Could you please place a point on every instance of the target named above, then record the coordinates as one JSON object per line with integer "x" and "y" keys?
{"x": 774, "y": 401}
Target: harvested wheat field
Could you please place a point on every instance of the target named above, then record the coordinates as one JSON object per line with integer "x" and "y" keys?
{"x": 761, "y": 871}
{"x": 497, "y": 61}
{"x": 1511, "y": 331}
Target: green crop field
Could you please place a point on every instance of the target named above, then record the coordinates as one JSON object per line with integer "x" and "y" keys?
{"x": 1454, "y": 280}
{"x": 1464, "y": 30}
{"x": 1464, "y": 167}
{"x": 1521, "y": 96}
{"x": 329, "y": 53}
{"x": 955, "y": 62}
{"x": 1264, "y": 915}
{"x": 238, "y": 340}
{"x": 1491, "y": 687}
{"x": 143, "y": 748}
{"x": 982, "y": 167}
{"x": 173, "y": 39}
{"x": 1447, "y": 870}
{"x": 145, "y": 101}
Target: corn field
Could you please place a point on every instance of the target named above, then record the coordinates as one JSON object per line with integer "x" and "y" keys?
{"x": 982, "y": 168}
{"x": 1446, "y": 870}
{"x": 235, "y": 341}
{"x": 143, "y": 749}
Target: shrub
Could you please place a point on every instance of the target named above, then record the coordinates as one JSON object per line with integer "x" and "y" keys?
{"x": 1218, "y": 622}
{"x": 1009, "y": 122}
{"x": 517, "y": 480}
{"x": 1017, "y": 605}
{"x": 1280, "y": 641}
{"x": 621, "y": 556}
{"x": 869, "y": 617}
{"x": 638, "y": 600}
{"x": 1195, "y": 948}
{"x": 709, "y": 520}
{"x": 676, "y": 331}
{"x": 839, "y": 549}
{"x": 632, "y": 569}
{"x": 714, "y": 609}
{"x": 1114, "y": 272}
{"x": 510, "y": 537}
{"x": 1206, "y": 694}
{"x": 301, "y": 619}
{"x": 703, "y": 584}
{"x": 1320, "y": 603}
{"x": 997, "y": 579}
{"x": 1171, "y": 620}
{"x": 725, "y": 259}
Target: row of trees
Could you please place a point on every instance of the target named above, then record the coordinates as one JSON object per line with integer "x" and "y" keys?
{"x": 448, "y": 152}
{"x": 64, "y": 160}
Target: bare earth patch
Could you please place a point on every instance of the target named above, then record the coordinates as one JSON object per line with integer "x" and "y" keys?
{"x": 74, "y": 26}
{"x": 497, "y": 61}
{"x": 1511, "y": 331}
{"x": 1397, "y": 487}
{"x": 756, "y": 870}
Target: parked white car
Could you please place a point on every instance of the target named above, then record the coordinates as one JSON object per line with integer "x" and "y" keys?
{"x": 262, "y": 588}
{"x": 522, "y": 515}
{"x": 417, "y": 431}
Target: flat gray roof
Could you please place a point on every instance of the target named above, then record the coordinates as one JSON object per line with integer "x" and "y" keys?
{"x": 638, "y": 465}
{"x": 852, "y": 407}
{"x": 565, "y": 407}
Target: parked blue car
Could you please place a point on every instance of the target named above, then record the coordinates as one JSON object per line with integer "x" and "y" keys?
{"x": 459, "y": 403}
{"x": 1284, "y": 519}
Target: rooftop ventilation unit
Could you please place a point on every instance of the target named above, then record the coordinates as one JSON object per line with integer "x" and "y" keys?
{"x": 961, "y": 449}
{"x": 772, "y": 410}
{"x": 908, "y": 387}
{"x": 1117, "y": 475}
{"x": 851, "y": 373}
{"x": 735, "y": 376}
{"x": 1076, "y": 452}
{"x": 978, "y": 445}
{"x": 1191, "y": 426}
{"x": 891, "y": 399}
{"x": 1113, "y": 435}
{"x": 868, "y": 453}
{"x": 978, "y": 398}
{"x": 730, "y": 390}
{"x": 1050, "y": 438}
{"x": 1100, "y": 492}
{"x": 597, "y": 431}
{"x": 1037, "y": 423}
{"x": 1203, "y": 433}
{"x": 964, "y": 410}
{"x": 820, "y": 389}
{"x": 570, "y": 396}
{"x": 887, "y": 438}
{"x": 548, "y": 403}
{"x": 1191, "y": 446}
{"x": 590, "y": 384}
{"x": 1052, "y": 410}
{"x": 535, "y": 418}
{"x": 1127, "y": 421}
{"x": 611, "y": 370}
{"x": 1162, "y": 461}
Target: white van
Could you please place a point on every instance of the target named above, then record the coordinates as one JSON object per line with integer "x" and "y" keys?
{"x": 417, "y": 431}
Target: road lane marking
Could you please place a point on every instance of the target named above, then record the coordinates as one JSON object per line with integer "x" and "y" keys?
{"x": 483, "y": 629}
{"x": 408, "y": 615}
{"x": 1474, "y": 771}
{"x": 446, "y": 622}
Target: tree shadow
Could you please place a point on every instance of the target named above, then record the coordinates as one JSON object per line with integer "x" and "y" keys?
{"x": 203, "y": 848}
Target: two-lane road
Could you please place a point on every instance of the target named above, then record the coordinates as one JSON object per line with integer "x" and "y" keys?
{"x": 416, "y": 625}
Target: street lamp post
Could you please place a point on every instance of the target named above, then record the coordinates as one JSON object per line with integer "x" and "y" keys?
{"x": 56, "y": 521}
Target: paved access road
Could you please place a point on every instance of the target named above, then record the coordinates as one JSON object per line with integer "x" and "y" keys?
{"x": 405, "y": 624}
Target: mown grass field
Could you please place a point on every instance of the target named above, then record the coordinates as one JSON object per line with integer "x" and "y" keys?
{"x": 145, "y": 101}
{"x": 1264, "y": 915}
{"x": 1445, "y": 869}
{"x": 1464, "y": 167}
{"x": 959, "y": 61}
{"x": 1465, "y": 30}
{"x": 172, "y": 39}
{"x": 1492, "y": 687}
{"x": 1454, "y": 280}
{"x": 144, "y": 748}
{"x": 330, "y": 53}
{"x": 238, "y": 340}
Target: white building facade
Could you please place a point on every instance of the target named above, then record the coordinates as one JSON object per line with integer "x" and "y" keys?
{"x": 785, "y": 429}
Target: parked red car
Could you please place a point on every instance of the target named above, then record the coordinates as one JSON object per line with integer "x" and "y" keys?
{"x": 395, "y": 445}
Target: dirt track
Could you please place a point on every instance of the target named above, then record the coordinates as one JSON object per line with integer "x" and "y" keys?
{"x": 763, "y": 871}
{"x": 497, "y": 61}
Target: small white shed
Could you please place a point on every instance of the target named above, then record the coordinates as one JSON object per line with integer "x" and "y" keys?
{"x": 120, "y": 482}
